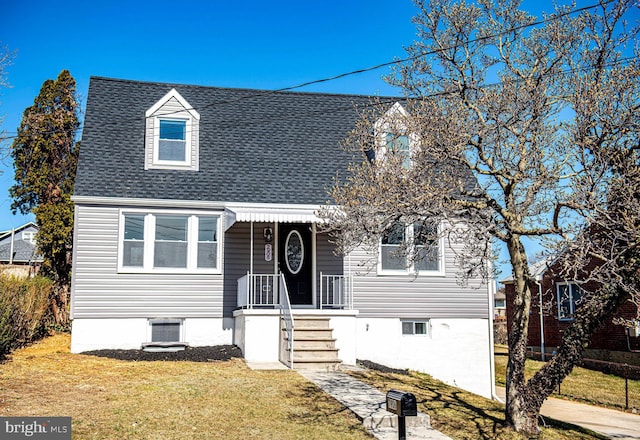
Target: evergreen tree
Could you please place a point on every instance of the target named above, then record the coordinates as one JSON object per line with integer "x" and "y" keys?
{"x": 45, "y": 155}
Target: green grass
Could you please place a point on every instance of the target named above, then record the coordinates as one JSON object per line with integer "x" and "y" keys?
{"x": 582, "y": 384}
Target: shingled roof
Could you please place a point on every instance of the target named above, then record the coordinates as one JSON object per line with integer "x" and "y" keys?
{"x": 255, "y": 146}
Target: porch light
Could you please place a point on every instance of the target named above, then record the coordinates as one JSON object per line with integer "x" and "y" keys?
{"x": 268, "y": 235}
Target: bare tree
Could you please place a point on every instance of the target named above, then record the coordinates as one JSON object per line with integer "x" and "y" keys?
{"x": 518, "y": 128}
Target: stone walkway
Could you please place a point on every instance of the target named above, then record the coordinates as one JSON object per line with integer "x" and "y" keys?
{"x": 369, "y": 405}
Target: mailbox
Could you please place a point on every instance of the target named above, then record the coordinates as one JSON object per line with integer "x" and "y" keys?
{"x": 401, "y": 403}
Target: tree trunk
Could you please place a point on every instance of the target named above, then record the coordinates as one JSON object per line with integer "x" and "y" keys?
{"x": 524, "y": 399}
{"x": 59, "y": 304}
{"x": 519, "y": 412}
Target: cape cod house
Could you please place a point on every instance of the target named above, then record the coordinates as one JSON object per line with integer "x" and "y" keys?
{"x": 196, "y": 224}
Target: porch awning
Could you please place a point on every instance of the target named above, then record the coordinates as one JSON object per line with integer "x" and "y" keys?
{"x": 271, "y": 215}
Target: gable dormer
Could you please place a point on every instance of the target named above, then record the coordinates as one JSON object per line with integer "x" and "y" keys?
{"x": 393, "y": 136}
{"x": 172, "y": 134}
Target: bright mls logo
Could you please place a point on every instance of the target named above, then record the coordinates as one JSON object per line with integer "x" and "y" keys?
{"x": 41, "y": 428}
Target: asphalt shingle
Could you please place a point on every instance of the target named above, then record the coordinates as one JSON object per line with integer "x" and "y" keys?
{"x": 255, "y": 146}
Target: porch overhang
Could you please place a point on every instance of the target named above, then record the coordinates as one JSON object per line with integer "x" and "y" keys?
{"x": 263, "y": 214}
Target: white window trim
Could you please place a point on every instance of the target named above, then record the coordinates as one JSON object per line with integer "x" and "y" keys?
{"x": 186, "y": 163}
{"x": 30, "y": 236}
{"x": 149, "y": 242}
{"x": 411, "y": 270}
{"x": 192, "y": 143}
{"x": 391, "y": 123}
{"x": 427, "y": 326}
{"x": 571, "y": 300}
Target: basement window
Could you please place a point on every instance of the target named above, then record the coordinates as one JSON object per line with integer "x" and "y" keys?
{"x": 415, "y": 327}
{"x": 165, "y": 330}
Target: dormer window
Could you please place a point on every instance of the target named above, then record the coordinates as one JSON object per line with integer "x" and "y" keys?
{"x": 172, "y": 134}
{"x": 399, "y": 145}
{"x": 172, "y": 143}
{"x": 393, "y": 138}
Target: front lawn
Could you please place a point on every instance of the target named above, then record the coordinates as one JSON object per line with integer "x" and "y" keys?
{"x": 583, "y": 385}
{"x": 116, "y": 399}
{"x": 463, "y": 415}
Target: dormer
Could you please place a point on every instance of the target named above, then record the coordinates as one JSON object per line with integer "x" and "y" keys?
{"x": 172, "y": 135}
{"x": 393, "y": 136}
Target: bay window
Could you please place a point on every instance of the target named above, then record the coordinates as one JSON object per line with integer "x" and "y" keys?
{"x": 168, "y": 242}
{"x": 171, "y": 243}
{"x": 133, "y": 242}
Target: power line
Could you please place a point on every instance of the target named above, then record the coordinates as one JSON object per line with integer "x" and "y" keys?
{"x": 411, "y": 58}
{"x": 391, "y": 100}
{"x": 368, "y": 69}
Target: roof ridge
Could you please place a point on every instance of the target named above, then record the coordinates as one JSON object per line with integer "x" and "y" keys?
{"x": 242, "y": 89}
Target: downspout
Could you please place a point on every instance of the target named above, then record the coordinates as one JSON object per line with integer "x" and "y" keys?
{"x": 539, "y": 283}
{"x": 491, "y": 290}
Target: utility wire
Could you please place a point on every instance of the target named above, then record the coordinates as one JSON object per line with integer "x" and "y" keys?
{"x": 368, "y": 69}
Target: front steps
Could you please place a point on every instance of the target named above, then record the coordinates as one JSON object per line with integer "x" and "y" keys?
{"x": 314, "y": 347}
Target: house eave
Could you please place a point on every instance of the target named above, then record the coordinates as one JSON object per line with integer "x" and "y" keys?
{"x": 235, "y": 211}
{"x": 155, "y": 203}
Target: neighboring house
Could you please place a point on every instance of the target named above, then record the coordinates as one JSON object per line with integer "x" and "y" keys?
{"x": 499, "y": 303}
{"x": 196, "y": 223}
{"x": 560, "y": 299}
{"x": 18, "y": 247}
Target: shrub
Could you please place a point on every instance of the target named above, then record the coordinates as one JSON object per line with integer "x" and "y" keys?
{"x": 24, "y": 310}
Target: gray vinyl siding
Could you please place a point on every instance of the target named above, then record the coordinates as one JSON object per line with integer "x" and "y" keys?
{"x": 99, "y": 291}
{"x": 237, "y": 259}
{"x": 327, "y": 262}
{"x": 408, "y": 296}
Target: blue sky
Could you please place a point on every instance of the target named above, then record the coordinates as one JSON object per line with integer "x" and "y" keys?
{"x": 241, "y": 43}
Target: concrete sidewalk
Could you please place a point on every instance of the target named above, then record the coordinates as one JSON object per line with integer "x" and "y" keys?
{"x": 369, "y": 405}
{"x": 614, "y": 424}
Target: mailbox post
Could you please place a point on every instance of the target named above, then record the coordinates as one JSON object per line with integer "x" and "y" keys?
{"x": 401, "y": 404}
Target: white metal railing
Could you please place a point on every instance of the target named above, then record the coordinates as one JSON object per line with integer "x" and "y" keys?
{"x": 287, "y": 319}
{"x": 267, "y": 290}
{"x": 335, "y": 292}
{"x": 258, "y": 290}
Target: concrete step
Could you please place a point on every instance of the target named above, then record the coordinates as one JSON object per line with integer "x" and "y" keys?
{"x": 312, "y": 322}
{"x": 315, "y": 354}
{"x": 318, "y": 365}
{"x": 313, "y": 343}
{"x": 310, "y": 333}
